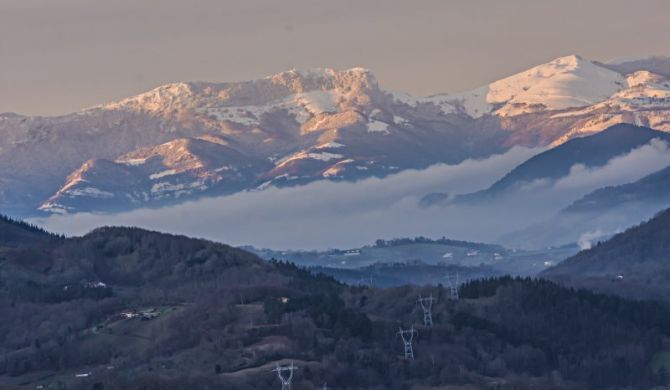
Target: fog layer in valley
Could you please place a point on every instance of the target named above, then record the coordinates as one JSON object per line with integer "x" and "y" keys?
{"x": 330, "y": 214}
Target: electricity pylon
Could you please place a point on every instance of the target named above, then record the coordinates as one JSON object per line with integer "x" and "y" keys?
{"x": 452, "y": 285}
{"x": 285, "y": 380}
{"x": 427, "y": 306}
{"x": 407, "y": 335}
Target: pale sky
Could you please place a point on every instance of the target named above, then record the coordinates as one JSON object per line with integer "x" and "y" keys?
{"x": 58, "y": 56}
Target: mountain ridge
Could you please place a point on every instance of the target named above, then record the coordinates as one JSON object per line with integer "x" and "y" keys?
{"x": 288, "y": 116}
{"x": 543, "y": 169}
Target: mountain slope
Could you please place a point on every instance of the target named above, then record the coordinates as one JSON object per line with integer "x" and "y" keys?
{"x": 633, "y": 263}
{"x": 156, "y": 175}
{"x": 650, "y": 190}
{"x": 594, "y": 151}
{"x": 599, "y": 214}
{"x": 14, "y": 233}
{"x": 547, "y": 167}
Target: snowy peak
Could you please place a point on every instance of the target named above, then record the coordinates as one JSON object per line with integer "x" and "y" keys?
{"x": 158, "y": 99}
{"x": 562, "y": 83}
{"x": 565, "y": 83}
{"x": 303, "y": 96}
{"x": 297, "y": 81}
{"x": 271, "y": 90}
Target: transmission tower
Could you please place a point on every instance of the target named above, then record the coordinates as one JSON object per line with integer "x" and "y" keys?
{"x": 366, "y": 281}
{"x": 452, "y": 285}
{"x": 285, "y": 378}
{"x": 325, "y": 387}
{"x": 427, "y": 306}
{"x": 407, "y": 335}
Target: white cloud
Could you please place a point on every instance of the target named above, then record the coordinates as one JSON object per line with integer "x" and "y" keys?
{"x": 586, "y": 239}
{"x": 340, "y": 214}
{"x": 622, "y": 169}
{"x": 317, "y": 215}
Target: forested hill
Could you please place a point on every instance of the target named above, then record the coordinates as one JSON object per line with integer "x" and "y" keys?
{"x": 635, "y": 263}
{"x": 126, "y": 308}
{"x": 14, "y": 233}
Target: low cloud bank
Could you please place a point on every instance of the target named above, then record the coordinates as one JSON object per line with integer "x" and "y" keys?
{"x": 328, "y": 214}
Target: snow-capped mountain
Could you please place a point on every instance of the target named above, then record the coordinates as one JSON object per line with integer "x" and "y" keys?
{"x": 172, "y": 143}
{"x": 563, "y": 83}
{"x": 156, "y": 175}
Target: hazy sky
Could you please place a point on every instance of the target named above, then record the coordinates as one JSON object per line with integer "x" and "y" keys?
{"x": 58, "y": 56}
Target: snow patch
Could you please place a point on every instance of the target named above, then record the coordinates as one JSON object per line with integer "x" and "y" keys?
{"x": 178, "y": 189}
{"x": 317, "y": 102}
{"x": 90, "y": 192}
{"x": 336, "y": 169}
{"x": 375, "y": 126}
{"x": 398, "y": 120}
{"x": 404, "y": 98}
{"x": 330, "y": 145}
{"x": 158, "y": 175}
{"x": 133, "y": 161}
{"x": 322, "y": 156}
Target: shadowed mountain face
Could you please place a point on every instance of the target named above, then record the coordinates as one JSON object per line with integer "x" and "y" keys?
{"x": 546, "y": 168}
{"x": 593, "y": 151}
{"x": 297, "y": 127}
{"x": 633, "y": 263}
{"x": 652, "y": 190}
{"x": 601, "y": 213}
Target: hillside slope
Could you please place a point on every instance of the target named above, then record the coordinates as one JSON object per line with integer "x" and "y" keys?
{"x": 125, "y": 308}
{"x": 17, "y": 234}
{"x": 633, "y": 263}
